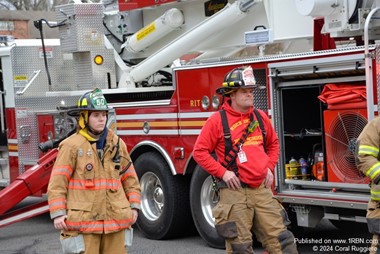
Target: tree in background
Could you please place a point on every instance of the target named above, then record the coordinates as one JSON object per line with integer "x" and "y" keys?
{"x": 6, "y": 5}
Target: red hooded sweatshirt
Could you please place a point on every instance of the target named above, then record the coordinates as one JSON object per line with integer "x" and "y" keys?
{"x": 211, "y": 138}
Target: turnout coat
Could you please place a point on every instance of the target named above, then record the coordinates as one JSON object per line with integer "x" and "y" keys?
{"x": 93, "y": 188}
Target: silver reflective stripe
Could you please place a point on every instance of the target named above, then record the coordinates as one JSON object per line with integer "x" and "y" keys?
{"x": 368, "y": 150}
{"x": 373, "y": 171}
{"x": 375, "y": 195}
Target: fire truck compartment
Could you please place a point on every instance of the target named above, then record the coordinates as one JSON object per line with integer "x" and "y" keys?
{"x": 309, "y": 129}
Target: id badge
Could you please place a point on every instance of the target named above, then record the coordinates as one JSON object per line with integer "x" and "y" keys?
{"x": 242, "y": 157}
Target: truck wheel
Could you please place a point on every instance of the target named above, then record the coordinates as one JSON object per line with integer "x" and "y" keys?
{"x": 165, "y": 199}
{"x": 201, "y": 203}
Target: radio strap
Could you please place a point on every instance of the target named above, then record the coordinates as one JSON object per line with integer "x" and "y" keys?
{"x": 262, "y": 128}
{"x": 232, "y": 151}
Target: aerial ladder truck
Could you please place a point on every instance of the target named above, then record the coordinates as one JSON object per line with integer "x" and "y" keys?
{"x": 158, "y": 64}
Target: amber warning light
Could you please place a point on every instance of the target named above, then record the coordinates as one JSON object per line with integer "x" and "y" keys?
{"x": 98, "y": 59}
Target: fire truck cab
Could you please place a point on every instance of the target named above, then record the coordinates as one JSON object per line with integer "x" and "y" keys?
{"x": 159, "y": 63}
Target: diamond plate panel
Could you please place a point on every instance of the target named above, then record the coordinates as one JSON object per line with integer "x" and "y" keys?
{"x": 28, "y": 126}
{"x": 24, "y": 71}
{"x": 84, "y": 26}
{"x": 30, "y": 82}
{"x": 260, "y": 94}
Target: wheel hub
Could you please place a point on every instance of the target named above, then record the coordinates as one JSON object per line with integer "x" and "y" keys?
{"x": 158, "y": 195}
{"x": 153, "y": 200}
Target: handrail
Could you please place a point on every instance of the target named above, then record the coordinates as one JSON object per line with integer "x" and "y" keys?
{"x": 2, "y": 117}
{"x": 34, "y": 76}
{"x": 368, "y": 73}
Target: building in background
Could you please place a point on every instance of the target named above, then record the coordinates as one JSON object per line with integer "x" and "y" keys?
{"x": 19, "y": 23}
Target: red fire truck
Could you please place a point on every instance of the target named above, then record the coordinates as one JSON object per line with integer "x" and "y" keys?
{"x": 159, "y": 64}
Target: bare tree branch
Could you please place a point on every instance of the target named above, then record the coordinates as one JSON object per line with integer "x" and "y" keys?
{"x": 35, "y": 5}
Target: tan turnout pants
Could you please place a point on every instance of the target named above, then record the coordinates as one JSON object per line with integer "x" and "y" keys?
{"x": 112, "y": 243}
{"x": 245, "y": 210}
{"x": 373, "y": 222}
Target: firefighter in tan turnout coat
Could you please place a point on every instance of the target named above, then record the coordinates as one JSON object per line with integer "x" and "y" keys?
{"x": 368, "y": 145}
{"x": 94, "y": 192}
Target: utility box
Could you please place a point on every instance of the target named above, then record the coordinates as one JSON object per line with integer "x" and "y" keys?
{"x": 84, "y": 26}
{"x": 82, "y": 40}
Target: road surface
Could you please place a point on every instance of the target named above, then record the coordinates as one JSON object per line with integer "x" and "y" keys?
{"x": 38, "y": 236}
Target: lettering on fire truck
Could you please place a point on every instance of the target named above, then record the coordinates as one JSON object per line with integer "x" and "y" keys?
{"x": 195, "y": 103}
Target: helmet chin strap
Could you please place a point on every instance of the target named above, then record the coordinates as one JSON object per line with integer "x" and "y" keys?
{"x": 94, "y": 132}
{"x": 223, "y": 98}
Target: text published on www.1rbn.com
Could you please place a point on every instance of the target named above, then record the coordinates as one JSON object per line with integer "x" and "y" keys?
{"x": 349, "y": 245}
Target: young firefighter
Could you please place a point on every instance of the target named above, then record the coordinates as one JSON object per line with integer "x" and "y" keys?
{"x": 368, "y": 162}
{"x": 94, "y": 192}
{"x": 246, "y": 202}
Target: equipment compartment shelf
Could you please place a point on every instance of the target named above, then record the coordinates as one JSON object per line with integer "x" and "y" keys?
{"x": 302, "y": 120}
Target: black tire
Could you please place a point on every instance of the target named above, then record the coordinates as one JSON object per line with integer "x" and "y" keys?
{"x": 165, "y": 211}
{"x": 201, "y": 203}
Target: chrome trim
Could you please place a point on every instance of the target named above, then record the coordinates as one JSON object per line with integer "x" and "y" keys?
{"x": 147, "y": 116}
{"x": 140, "y": 103}
{"x": 190, "y": 132}
{"x": 12, "y": 141}
{"x": 158, "y": 148}
{"x": 368, "y": 60}
{"x": 195, "y": 115}
{"x": 329, "y": 185}
{"x": 164, "y": 116}
{"x": 151, "y": 132}
{"x": 112, "y": 91}
{"x": 2, "y": 114}
{"x": 220, "y": 61}
{"x": 304, "y": 198}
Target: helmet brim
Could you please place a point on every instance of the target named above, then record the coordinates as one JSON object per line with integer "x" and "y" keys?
{"x": 75, "y": 112}
{"x": 227, "y": 90}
